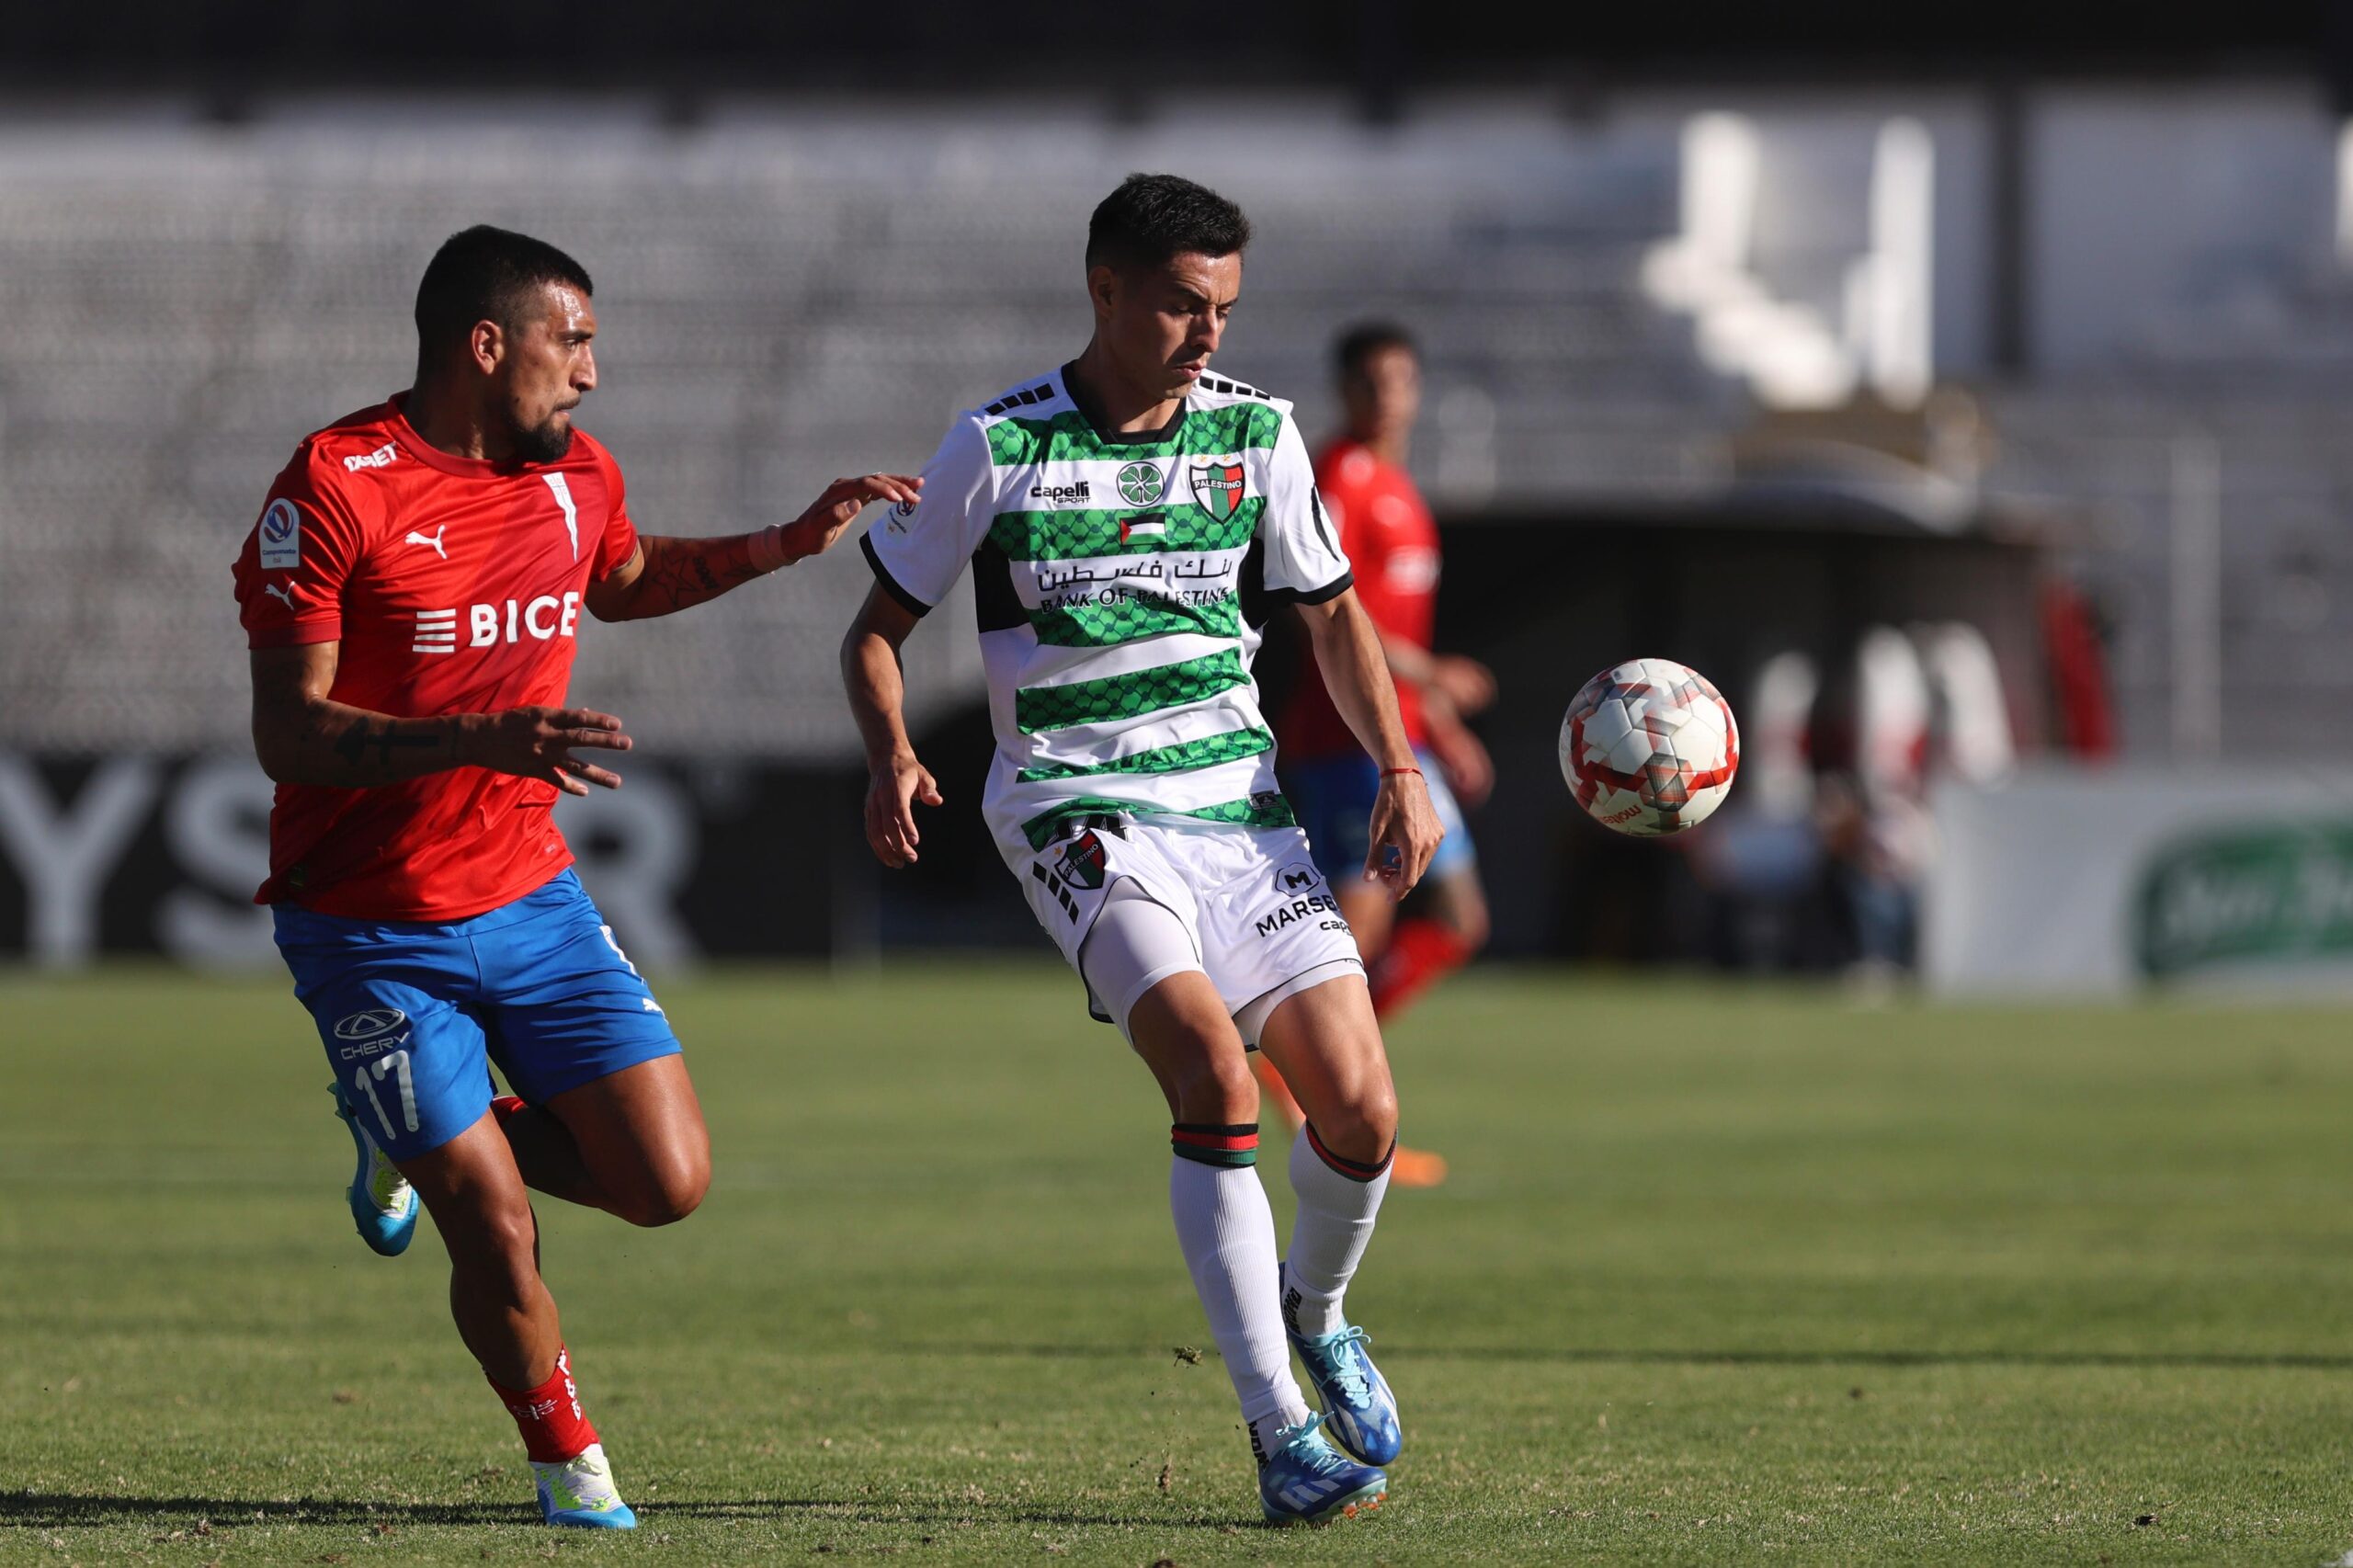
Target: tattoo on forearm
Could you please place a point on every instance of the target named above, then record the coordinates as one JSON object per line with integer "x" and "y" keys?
{"x": 355, "y": 742}
{"x": 681, "y": 572}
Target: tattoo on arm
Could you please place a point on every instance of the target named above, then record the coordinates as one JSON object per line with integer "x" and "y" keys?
{"x": 353, "y": 746}
{"x": 683, "y": 573}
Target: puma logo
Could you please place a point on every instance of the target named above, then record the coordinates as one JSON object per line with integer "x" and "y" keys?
{"x": 417, "y": 538}
{"x": 281, "y": 593}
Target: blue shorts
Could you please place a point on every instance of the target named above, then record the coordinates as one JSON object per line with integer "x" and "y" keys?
{"x": 413, "y": 1016}
{"x": 1332, "y": 796}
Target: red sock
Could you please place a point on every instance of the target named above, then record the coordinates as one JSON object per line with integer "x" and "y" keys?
{"x": 505, "y": 1105}
{"x": 1420, "y": 953}
{"x": 554, "y": 1426}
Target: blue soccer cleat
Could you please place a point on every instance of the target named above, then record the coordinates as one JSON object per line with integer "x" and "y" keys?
{"x": 579, "y": 1491}
{"x": 1358, "y": 1403}
{"x": 383, "y": 1205}
{"x": 1308, "y": 1482}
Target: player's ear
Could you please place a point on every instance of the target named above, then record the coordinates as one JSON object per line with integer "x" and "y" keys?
{"x": 486, "y": 345}
{"x": 1103, "y": 289}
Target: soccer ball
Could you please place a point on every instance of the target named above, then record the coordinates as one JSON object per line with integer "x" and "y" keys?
{"x": 1649, "y": 748}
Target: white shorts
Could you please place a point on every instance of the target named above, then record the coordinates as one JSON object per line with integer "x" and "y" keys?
{"x": 1263, "y": 923}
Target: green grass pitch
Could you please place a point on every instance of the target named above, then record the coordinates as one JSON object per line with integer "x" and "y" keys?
{"x": 1723, "y": 1275}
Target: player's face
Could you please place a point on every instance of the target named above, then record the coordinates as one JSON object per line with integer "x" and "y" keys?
{"x": 547, "y": 369}
{"x": 1163, "y": 323}
{"x": 1384, "y": 396}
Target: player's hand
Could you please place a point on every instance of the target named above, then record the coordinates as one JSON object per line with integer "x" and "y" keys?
{"x": 537, "y": 742}
{"x": 1406, "y": 834}
{"x": 891, "y": 791}
{"x": 1469, "y": 769}
{"x": 814, "y": 531}
{"x": 1466, "y": 683}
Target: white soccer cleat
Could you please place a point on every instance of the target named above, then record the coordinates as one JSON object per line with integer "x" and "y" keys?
{"x": 580, "y": 1492}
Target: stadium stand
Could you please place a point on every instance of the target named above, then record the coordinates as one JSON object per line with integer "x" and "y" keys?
{"x": 783, "y": 299}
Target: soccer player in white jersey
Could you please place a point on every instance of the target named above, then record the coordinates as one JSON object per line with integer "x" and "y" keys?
{"x": 1130, "y": 521}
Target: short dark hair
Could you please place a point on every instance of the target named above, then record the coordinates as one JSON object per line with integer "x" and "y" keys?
{"x": 1367, "y": 338}
{"x": 1153, "y": 217}
{"x": 483, "y": 274}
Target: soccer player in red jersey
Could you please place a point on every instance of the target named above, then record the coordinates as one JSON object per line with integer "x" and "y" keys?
{"x": 1387, "y": 532}
{"x": 412, "y": 594}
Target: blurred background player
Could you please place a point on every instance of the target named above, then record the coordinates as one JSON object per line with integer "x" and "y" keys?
{"x": 1391, "y": 541}
{"x": 412, "y": 596}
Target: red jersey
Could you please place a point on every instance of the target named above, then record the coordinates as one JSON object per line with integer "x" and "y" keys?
{"x": 1391, "y": 541}
{"x": 454, "y": 585}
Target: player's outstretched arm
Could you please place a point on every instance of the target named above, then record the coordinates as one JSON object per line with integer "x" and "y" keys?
{"x": 303, "y": 736}
{"x": 877, "y": 687}
{"x": 667, "y": 575}
{"x": 1355, "y": 672}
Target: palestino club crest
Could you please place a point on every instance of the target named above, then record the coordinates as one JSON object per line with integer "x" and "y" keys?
{"x": 1082, "y": 861}
{"x": 1217, "y": 486}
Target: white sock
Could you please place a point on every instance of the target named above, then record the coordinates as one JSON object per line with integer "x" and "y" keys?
{"x": 1336, "y": 1207}
{"x": 1227, "y": 1230}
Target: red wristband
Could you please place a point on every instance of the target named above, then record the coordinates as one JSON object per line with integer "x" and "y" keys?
{"x": 1393, "y": 772}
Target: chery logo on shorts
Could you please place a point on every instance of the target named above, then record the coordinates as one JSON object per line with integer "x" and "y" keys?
{"x": 375, "y": 1021}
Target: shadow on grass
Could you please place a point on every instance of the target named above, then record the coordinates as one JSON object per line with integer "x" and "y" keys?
{"x": 2225, "y": 1360}
{"x": 61, "y": 1510}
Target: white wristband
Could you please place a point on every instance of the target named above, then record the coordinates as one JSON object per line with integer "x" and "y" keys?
{"x": 768, "y": 548}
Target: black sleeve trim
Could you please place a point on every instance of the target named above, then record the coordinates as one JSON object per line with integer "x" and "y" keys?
{"x": 1323, "y": 521}
{"x": 907, "y": 601}
{"x": 1331, "y": 590}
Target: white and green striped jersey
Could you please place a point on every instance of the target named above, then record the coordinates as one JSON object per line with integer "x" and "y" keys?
{"x": 1120, "y": 581}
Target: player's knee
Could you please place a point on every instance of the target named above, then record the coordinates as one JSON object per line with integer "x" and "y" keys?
{"x": 667, "y": 1195}
{"x": 1216, "y": 1088}
{"x": 1363, "y": 1125}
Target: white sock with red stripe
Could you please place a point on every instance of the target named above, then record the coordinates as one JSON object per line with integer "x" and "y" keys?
{"x": 1227, "y": 1231}
{"x": 1338, "y": 1200}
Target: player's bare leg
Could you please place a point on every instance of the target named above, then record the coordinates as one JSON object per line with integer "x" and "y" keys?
{"x": 633, "y": 1144}
{"x": 1327, "y": 1043}
{"x": 508, "y": 1318}
{"x": 1371, "y": 915}
{"x": 1226, "y": 1228}
{"x": 478, "y": 1202}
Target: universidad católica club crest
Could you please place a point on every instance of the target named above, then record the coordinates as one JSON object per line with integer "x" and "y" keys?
{"x": 1217, "y": 487}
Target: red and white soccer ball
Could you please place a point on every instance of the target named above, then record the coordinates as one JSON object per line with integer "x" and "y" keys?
{"x": 1649, "y": 747}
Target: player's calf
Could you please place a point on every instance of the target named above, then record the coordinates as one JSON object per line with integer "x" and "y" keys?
{"x": 508, "y": 1321}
